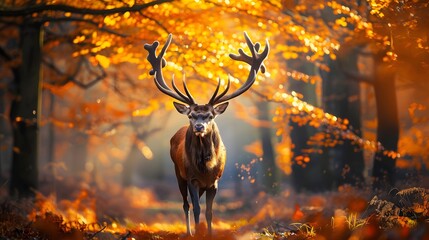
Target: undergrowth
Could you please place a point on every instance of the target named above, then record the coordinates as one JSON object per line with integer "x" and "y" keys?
{"x": 401, "y": 214}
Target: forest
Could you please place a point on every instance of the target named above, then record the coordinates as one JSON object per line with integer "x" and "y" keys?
{"x": 329, "y": 138}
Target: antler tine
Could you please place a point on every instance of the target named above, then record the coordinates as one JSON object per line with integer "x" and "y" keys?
{"x": 215, "y": 92}
{"x": 255, "y": 61}
{"x": 224, "y": 91}
{"x": 158, "y": 62}
{"x": 186, "y": 89}
{"x": 177, "y": 90}
{"x": 176, "y": 95}
{"x": 189, "y": 96}
{"x": 168, "y": 91}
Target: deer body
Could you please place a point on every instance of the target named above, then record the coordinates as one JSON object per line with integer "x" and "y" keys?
{"x": 197, "y": 150}
{"x": 199, "y": 159}
{"x": 199, "y": 163}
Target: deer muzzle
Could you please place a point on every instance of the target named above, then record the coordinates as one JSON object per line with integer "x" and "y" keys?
{"x": 200, "y": 129}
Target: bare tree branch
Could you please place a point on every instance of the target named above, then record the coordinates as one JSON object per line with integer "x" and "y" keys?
{"x": 58, "y": 71}
{"x": 91, "y": 83}
{"x": 126, "y": 79}
{"x": 156, "y": 21}
{"x": 77, "y": 19}
{"x": 72, "y": 77}
{"x": 39, "y": 8}
{"x": 99, "y": 231}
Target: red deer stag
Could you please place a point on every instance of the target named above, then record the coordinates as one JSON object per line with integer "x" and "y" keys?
{"x": 197, "y": 150}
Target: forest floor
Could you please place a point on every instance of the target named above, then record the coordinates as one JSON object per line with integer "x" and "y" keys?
{"x": 112, "y": 212}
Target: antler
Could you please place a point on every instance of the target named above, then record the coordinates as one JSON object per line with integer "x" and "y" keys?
{"x": 256, "y": 63}
{"x": 158, "y": 62}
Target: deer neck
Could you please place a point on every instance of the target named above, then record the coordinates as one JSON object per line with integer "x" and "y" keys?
{"x": 202, "y": 151}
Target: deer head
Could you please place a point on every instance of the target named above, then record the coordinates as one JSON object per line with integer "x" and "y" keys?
{"x": 201, "y": 116}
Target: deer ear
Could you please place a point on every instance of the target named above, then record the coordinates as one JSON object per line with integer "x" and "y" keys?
{"x": 181, "y": 108}
{"x": 219, "y": 109}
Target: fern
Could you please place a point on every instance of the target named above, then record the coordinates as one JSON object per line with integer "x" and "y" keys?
{"x": 406, "y": 208}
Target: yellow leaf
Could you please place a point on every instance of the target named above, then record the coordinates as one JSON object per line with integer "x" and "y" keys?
{"x": 255, "y": 148}
{"x": 103, "y": 60}
{"x": 341, "y": 21}
{"x": 109, "y": 21}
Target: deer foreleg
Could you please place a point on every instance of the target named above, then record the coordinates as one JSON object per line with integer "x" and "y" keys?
{"x": 184, "y": 191}
{"x": 210, "y": 195}
{"x": 194, "y": 192}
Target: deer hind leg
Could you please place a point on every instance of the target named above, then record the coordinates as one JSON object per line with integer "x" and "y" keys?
{"x": 210, "y": 195}
{"x": 195, "y": 198}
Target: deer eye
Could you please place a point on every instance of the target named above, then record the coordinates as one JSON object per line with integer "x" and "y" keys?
{"x": 205, "y": 117}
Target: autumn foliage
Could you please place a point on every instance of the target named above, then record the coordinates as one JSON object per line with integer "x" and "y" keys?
{"x": 345, "y": 95}
{"x": 402, "y": 214}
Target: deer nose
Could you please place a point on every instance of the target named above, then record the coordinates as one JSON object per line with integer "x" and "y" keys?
{"x": 199, "y": 127}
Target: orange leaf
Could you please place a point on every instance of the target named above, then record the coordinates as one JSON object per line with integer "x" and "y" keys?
{"x": 297, "y": 214}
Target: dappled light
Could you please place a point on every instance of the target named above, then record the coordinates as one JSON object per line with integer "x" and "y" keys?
{"x": 290, "y": 119}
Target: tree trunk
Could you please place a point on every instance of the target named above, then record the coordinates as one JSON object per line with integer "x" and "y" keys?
{"x": 25, "y": 112}
{"x": 51, "y": 131}
{"x": 352, "y": 163}
{"x": 5, "y": 126}
{"x": 49, "y": 141}
{"x": 130, "y": 165}
{"x": 2, "y": 129}
{"x": 79, "y": 160}
{"x": 315, "y": 176}
{"x": 342, "y": 98}
{"x": 268, "y": 164}
{"x": 387, "y": 125}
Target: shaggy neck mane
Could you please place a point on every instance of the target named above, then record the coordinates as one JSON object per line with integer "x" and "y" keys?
{"x": 200, "y": 150}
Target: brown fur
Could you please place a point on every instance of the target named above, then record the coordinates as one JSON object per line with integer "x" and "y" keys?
{"x": 200, "y": 159}
{"x": 197, "y": 150}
